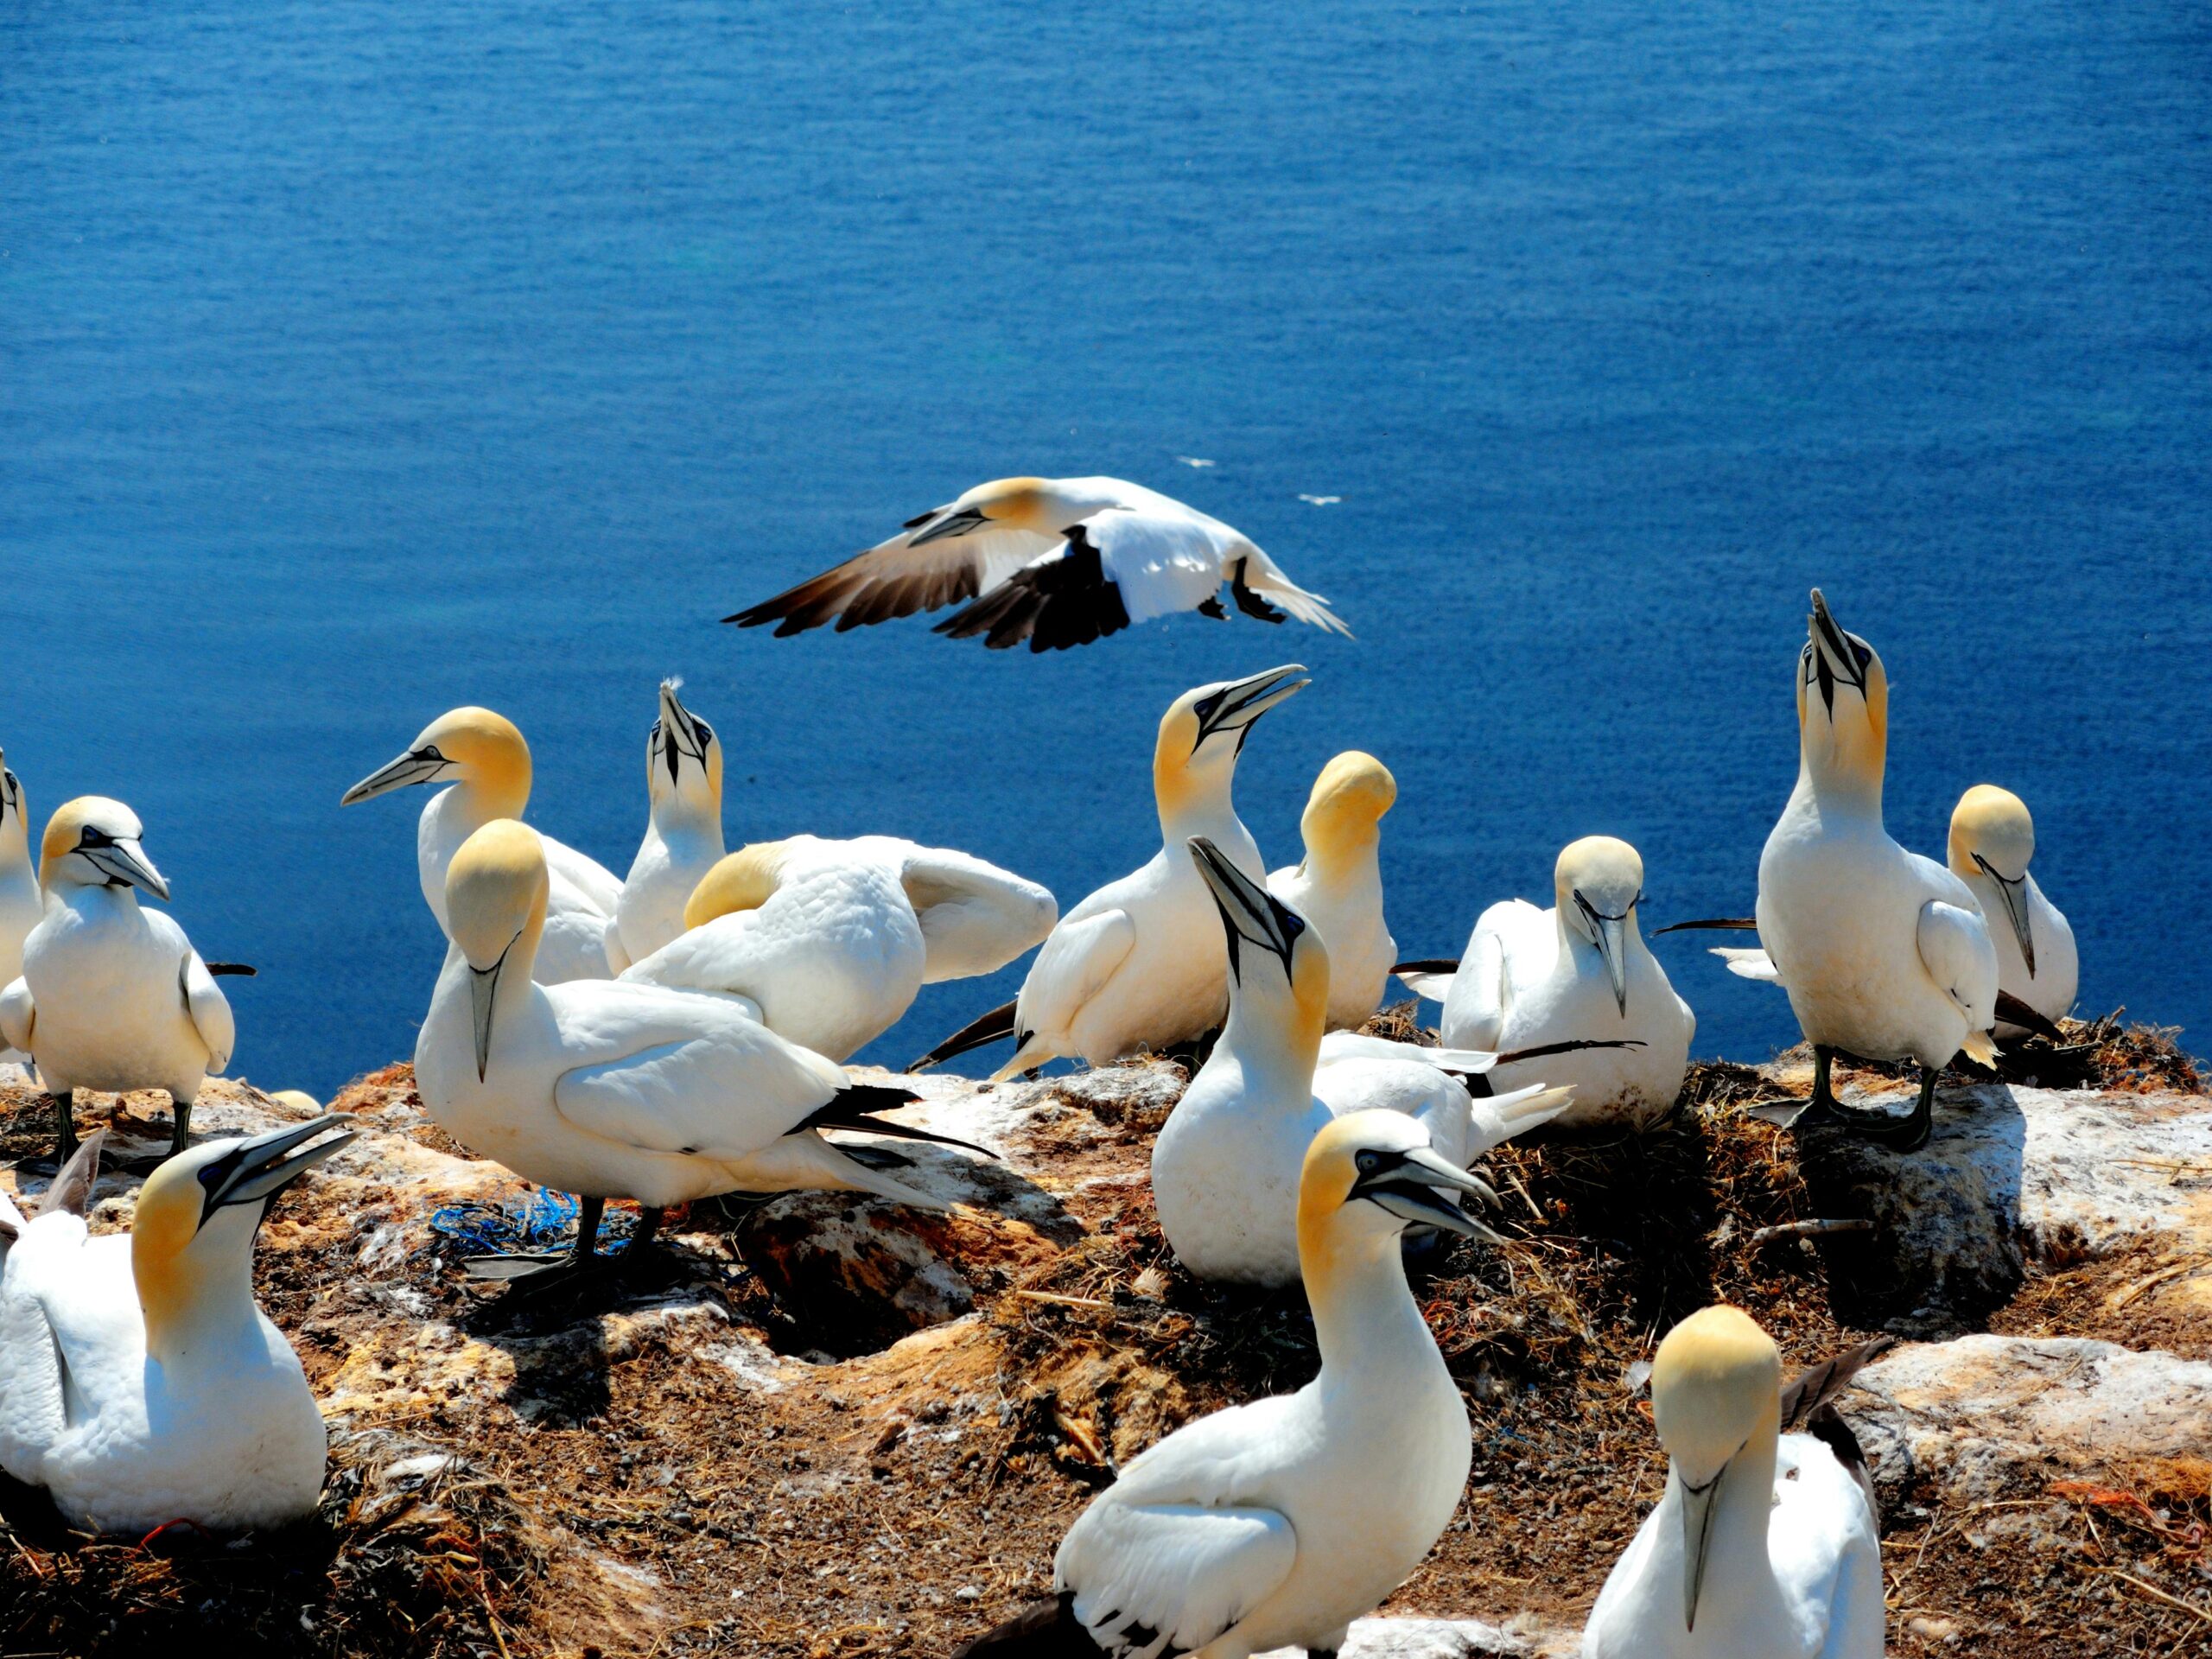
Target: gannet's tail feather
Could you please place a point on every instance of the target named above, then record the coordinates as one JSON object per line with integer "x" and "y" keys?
{"x": 1811, "y": 1388}
{"x": 1044, "y": 1630}
{"x": 2014, "y": 1012}
{"x": 855, "y": 1109}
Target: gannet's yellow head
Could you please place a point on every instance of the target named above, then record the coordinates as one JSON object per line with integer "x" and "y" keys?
{"x": 1843, "y": 698}
{"x": 1596, "y": 884}
{"x": 191, "y": 1238}
{"x": 465, "y": 746}
{"x": 1368, "y": 1176}
{"x": 496, "y": 890}
{"x": 684, "y": 759}
{"x": 1037, "y": 505}
{"x": 1344, "y": 815}
{"x": 1991, "y": 835}
{"x": 1278, "y": 967}
{"x": 743, "y": 880}
{"x": 93, "y": 842}
{"x": 14, "y": 821}
{"x": 1204, "y": 730}
{"x": 1716, "y": 1389}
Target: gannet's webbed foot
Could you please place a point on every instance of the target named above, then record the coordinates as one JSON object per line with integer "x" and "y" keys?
{"x": 180, "y": 1124}
{"x": 545, "y": 1271}
{"x": 1910, "y": 1133}
{"x": 66, "y": 1139}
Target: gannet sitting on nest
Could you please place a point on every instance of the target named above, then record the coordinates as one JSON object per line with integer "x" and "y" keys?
{"x": 1448, "y": 1089}
{"x": 1277, "y": 1524}
{"x": 684, "y": 832}
{"x": 829, "y": 941}
{"x": 21, "y": 902}
{"x": 1226, "y": 1165}
{"x": 485, "y": 763}
{"x": 1338, "y": 887}
{"x": 139, "y": 1383}
{"x": 1057, "y": 562}
{"x": 112, "y": 995}
{"x": 1530, "y": 978}
{"x": 1992, "y": 840}
{"x": 1139, "y": 964}
{"x": 1764, "y": 1545}
{"x": 612, "y": 1089}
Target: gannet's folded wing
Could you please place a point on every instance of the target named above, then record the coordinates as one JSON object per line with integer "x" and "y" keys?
{"x": 1955, "y": 948}
{"x": 725, "y": 1093}
{"x": 1151, "y": 1579}
{"x": 1749, "y": 963}
{"x": 894, "y": 578}
{"x": 204, "y": 1001}
{"x": 18, "y": 1015}
{"x": 1352, "y": 1044}
{"x": 975, "y": 917}
{"x": 1081, "y": 955}
{"x": 1475, "y": 1010}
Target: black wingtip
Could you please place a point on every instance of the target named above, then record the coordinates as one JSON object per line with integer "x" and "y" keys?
{"x": 1739, "y": 924}
{"x": 1044, "y": 1630}
{"x": 233, "y": 970}
{"x": 984, "y": 1029}
{"x": 2014, "y": 1012}
{"x": 1428, "y": 965}
{"x": 855, "y": 1108}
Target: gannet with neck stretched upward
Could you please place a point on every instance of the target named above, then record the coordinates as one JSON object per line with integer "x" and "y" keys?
{"x": 1764, "y": 1545}
{"x": 139, "y": 1383}
{"x": 610, "y": 1089}
{"x": 1338, "y": 887}
{"x": 1580, "y": 970}
{"x": 1992, "y": 840}
{"x": 829, "y": 941}
{"x": 21, "y": 902}
{"x": 1277, "y": 1524}
{"x": 112, "y": 995}
{"x": 482, "y": 759}
{"x": 683, "y": 834}
{"x": 1058, "y": 561}
{"x": 1886, "y": 953}
{"x": 1139, "y": 964}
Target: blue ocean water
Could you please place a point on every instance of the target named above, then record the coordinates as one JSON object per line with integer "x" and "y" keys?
{"x": 357, "y": 361}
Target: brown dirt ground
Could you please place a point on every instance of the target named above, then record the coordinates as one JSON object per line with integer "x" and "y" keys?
{"x": 893, "y": 1504}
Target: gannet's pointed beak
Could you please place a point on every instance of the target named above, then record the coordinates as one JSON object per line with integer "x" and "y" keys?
{"x": 1611, "y": 934}
{"x": 1236, "y": 705}
{"x": 264, "y": 1165}
{"x": 1698, "y": 1505}
{"x": 1406, "y": 1183}
{"x": 416, "y": 766}
{"x": 684, "y": 733}
{"x": 483, "y": 987}
{"x": 125, "y": 863}
{"x": 1829, "y": 655}
{"x": 2015, "y": 897}
{"x": 11, "y": 795}
{"x": 953, "y": 524}
{"x": 1249, "y": 913}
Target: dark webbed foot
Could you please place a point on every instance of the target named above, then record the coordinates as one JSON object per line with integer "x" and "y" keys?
{"x": 1908, "y": 1134}
{"x": 547, "y": 1275}
{"x": 66, "y": 1139}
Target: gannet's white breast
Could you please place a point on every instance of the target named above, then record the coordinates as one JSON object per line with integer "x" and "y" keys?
{"x": 1349, "y": 915}
{"x": 108, "y": 978}
{"x": 1225, "y": 1168}
{"x": 2050, "y": 991}
{"x": 1521, "y": 986}
{"x": 229, "y": 1437}
{"x": 1845, "y": 914}
{"x": 649, "y": 911}
{"x": 578, "y": 911}
{"x": 1824, "y": 1599}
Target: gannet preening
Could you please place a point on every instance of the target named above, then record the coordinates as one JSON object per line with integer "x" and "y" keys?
{"x": 112, "y": 995}
{"x": 482, "y": 759}
{"x": 829, "y": 941}
{"x": 683, "y": 835}
{"x": 612, "y": 1089}
{"x": 1277, "y": 1524}
{"x": 1058, "y": 561}
{"x": 21, "y": 902}
{"x": 1530, "y": 978}
{"x": 1885, "y": 954}
{"x": 1338, "y": 887}
{"x": 139, "y": 1383}
{"x": 1139, "y": 964}
{"x": 1764, "y": 1545}
{"x": 1993, "y": 838}
{"x": 1448, "y": 1089}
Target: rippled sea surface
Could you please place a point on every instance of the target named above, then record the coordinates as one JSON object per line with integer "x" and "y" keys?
{"x": 359, "y": 361}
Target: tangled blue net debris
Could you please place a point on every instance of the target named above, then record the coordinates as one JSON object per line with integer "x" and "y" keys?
{"x": 544, "y": 1222}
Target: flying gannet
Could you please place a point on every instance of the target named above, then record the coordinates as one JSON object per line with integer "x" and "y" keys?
{"x": 1276, "y": 1524}
{"x": 1058, "y": 561}
{"x": 139, "y": 1383}
{"x": 112, "y": 995}
{"x": 1139, "y": 963}
{"x": 1339, "y": 886}
{"x": 612, "y": 1089}
{"x": 683, "y": 834}
{"x": 1992, "y": 840}
{"x": 1532, "y": 978}
{"x": 488, "y": 763}
{"x": 21, "y": 902}
{"x": 1226, "y": 1165}
{"x": 1764, "y": 1544}
{"x": 828, "y": 941}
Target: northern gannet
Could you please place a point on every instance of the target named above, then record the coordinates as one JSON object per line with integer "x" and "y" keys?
{"x": 1885, "y": 954}
{"x": 1339, "y": 886}
{"x": 1992, "y": 840}
{"x": 112, "y": 995}
{"x": 483, "y": 758}
{"x": 1764, "y": 1544}
{"x": 1139, "y": 964}
{"x": 829, "y": 941}
{"x": 1058, "y": 561}
{"x": 609, "y": 1088}
{"x": 1530, "y": 978}
{"x": 21, "y": 902}
{"x": 683, "y": 835}
{"x": 1277, "y": 1524}
{"x": 1448, "y": 1089}
{"x": 139, "y": 1383}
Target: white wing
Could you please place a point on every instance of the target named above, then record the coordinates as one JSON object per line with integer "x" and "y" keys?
{"x": 1956, "y": 948}
{"x": 1474, "y": 1013}
{"x": 1351, "y": 1044}
{"x": 1433, "y": 988}
{"x": 894, "y": 579}
{"x": 1826, "y": 1552}
{"x": 1078, "y": 959}
{"x": 17, "y": 1016}
{"x": 203, "y": 999}
{"x": 975, "y": 917}
{"x": 1753, "y": 963}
